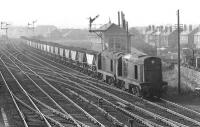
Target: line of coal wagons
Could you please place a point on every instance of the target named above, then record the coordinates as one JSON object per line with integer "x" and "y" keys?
{"x": 136, "y": 73}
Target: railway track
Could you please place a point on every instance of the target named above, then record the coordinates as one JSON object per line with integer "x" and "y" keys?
{"x": 128, "y": 101}
{"x": 138, "y": 112}
{"x": 11, "y": 85}
{"x": 9, "y": 108}
{"x": 81, "y": 115}
{"x": 107, "y": 115}
{"x": 166, "y": 110}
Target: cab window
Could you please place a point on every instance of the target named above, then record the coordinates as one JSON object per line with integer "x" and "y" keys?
{"x": 136, "y": 71}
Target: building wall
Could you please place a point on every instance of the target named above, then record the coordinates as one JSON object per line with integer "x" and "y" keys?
{"x": 191, "y": 38}
{"x": 115, "y": 38}
{"x": 157, "y": 39}
{"x": 151, "y": 40}
{"x": 173, "y": 39}
{"x": 197, "y": 41}
{"x": 184, "y": 39}
{"x": 164, "y": 42}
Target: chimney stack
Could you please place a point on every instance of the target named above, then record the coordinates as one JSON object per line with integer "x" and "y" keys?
{"x": 118, "y": 18}
{"x": 190, "y": 27}
{"x": 126, "y": 26}
{"x": 149, "y": 27}
{"x": 166, "y": 29}
{"x": 122, "y": 23}
{"x": 170, "y": 28}
{"x": 123, "y": 20}
{"x": 153, "y": 28}
{"x": 185, "y": 27}
{"x": 161, "y": 28}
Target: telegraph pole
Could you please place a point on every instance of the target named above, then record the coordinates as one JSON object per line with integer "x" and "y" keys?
{"x": 32, "y": 26}
{"x": 179, "y": 73}
{"x": 4, "y": 26}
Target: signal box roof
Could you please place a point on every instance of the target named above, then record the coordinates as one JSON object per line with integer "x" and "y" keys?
{"x": 105, "y": 27}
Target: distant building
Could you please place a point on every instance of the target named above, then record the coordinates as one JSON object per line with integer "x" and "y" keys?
{"x": 165, "y": 37}
{"x": 149, "y": 35}
{"x": 197, "y": 40}
{"x": 187, "y": 36}
{"x": 159, "y": 36}
{"x": 173, "y": 39}
{"x": 184, "y": 37}
{"x": 191, "y": 43}
{"x": 112, "y": 37}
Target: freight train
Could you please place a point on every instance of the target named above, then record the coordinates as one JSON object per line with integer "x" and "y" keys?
{"x": 135, "y": 72}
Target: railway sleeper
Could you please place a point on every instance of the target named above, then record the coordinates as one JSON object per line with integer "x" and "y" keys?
{"x": 47, "y": 117}
{"x": 142, "y": 120}
{"x": 65, "y": 116}
{"x": 106, "y": 114}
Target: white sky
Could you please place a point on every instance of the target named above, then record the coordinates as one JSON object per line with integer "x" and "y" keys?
{"x": 74, "y": 13}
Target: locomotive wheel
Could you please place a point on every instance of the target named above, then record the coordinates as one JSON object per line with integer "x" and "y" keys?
{"x": 100, "y": 76}
{"x": 135, "y": 91}
{"x": 110, "y": 81}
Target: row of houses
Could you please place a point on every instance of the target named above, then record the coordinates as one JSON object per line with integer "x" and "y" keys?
{"x": 167, "y": 36}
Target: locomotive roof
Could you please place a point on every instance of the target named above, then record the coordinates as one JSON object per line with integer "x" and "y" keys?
{"x": 136, "y": 59}
{"x": 135, "y": 56}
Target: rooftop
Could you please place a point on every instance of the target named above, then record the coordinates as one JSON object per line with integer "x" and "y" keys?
{"x": 198, "y": 33}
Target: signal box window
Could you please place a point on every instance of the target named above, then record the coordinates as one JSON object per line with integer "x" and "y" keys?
{"x": 136, "y": 71}
{"x": 118, "y": 47}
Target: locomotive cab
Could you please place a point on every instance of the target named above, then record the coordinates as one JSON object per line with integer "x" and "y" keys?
{"x": 153, "y": 84}
{"x": 143, "y": 75}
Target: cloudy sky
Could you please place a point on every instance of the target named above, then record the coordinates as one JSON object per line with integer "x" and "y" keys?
{"x": 74, "y": 13}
